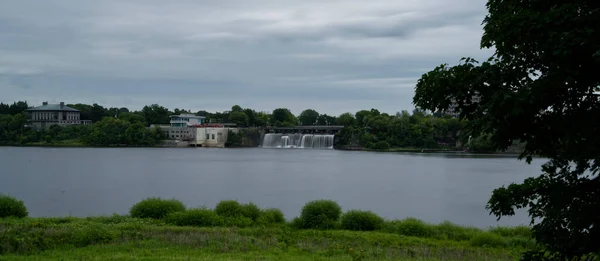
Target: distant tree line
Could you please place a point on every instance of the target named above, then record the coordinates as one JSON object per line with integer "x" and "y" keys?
{"x": 121, "y": 126}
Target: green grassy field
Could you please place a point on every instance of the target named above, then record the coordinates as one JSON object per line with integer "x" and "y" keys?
{"x": 125, "y": 238}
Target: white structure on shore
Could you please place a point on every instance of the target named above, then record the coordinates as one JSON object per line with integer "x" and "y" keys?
{"x": 186, "y": 120}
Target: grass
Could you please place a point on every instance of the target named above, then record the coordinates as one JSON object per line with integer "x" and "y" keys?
{"x": 125, "y": 238}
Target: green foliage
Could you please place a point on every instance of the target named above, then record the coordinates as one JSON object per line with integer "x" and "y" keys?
{"x": 410, "y": 227}
{"x": 346, "y": 119}
{"x": 448, "y": 230}
{"x": 488, "y": 240}
{"x": 239, "y": 118}
{"x": 308, "y": 117}
{"x": 380, "y": 145}
{"x": 271, "y": 216}
{"x": 229, "y": 208}
{"x": 481, "y": 143}
{"x": 156, "y": 208}
{"x": 234, "y": 139}
{"x": 156, "y": 114}
{"x": 12, "y": 207}
{"x": 540, "y": 88}
{"x": 238, "y": 221}
{"x": 283, "y": 117}
{"x": 114, "y": 131}
{"x": 251, "y": 211}
{"x": 320, "y": 214}
{"x": 195, "y": 217}
{"x": 361, "y": 220}
{"x": 131, "y": 238}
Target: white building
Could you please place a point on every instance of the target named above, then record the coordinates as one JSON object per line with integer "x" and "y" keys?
{"x": 186, "y": 120}
{"x": 213, "y": 136}
{"x": 453, "y": 108}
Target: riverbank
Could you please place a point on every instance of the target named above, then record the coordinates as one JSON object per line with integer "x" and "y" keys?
{"x": 126, "y": 238}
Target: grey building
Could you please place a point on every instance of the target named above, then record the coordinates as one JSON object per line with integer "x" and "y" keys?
{"x": 54, "y": 114}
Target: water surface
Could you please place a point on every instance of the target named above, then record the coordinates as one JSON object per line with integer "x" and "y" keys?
{"x": 431, "y": 187}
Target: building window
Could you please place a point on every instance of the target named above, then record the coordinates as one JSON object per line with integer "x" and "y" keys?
{"x": 207, "y": 136}
{"x": 213, "y": 136}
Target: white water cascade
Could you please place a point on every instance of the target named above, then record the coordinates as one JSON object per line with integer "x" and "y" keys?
{"x": 302, "y": 141}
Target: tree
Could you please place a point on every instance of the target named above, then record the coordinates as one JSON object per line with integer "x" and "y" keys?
{"x": 156, "y": 114}
{"x": 540, "y": 87}
{"x": 346, "y": 119}
{"x": 239, "y": 118}
{"x": 308, "y": 117}
{"x": 235, "y": 108}
{"x": 283, "y": 116}
{"x": 18, "y": 107}
{"x": 4, "y": 108}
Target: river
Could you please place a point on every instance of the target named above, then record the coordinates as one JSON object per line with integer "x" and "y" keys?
{"x": 103, "y": 181}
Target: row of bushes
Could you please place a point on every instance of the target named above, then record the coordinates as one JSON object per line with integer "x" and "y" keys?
{"x": 319, "y": 214}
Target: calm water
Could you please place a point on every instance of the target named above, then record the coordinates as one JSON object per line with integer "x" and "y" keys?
{"x": 431, "y": 187}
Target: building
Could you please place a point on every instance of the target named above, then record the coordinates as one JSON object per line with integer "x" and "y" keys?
{"x": 214, "y": 136}
{"x": 186, "y": 120}
{"x": 54, "y": 114}
{"x": 453, "y": 108}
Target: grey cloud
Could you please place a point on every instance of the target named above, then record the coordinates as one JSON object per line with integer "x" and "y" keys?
{"x": 336, "y": 56}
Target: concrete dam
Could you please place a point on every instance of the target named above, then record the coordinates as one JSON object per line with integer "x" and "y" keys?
{"x": 300, "y": 137}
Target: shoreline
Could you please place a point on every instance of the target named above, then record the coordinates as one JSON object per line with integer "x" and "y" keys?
{"x": 391, "y": 150}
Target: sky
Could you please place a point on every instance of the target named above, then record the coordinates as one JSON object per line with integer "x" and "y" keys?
{"x": 334, "y": 56}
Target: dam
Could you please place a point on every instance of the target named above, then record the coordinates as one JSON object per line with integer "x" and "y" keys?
{"x": 300, "y": 137}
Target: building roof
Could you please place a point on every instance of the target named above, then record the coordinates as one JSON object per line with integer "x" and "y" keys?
{"x": 52, "y": 107}
{"x": 191, "y": 116}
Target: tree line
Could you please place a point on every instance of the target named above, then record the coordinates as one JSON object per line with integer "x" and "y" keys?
{"x": 112, "y": 126}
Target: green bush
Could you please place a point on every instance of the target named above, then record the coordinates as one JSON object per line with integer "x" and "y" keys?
{"x": 410, "y": 227}
{"x": 488, "y": 239}
{"x": 296, "y": 223}
{"x": 447, "y": 230}
{"x": 229, "y": 208}
{"x": 271, "y": 216}
{"x": 92, "y": 234}
{"x": 195, "y": 217}
{"x": 320, "y": 214}
{"x": 381, "y": 145}
{"x": 521, "y": 231}
{"x": 361, "y": 220}
{"x": 251, "y": 211}
{"x": 156, "y": 208}
{"x": 12, "y": 207}
{"x": 239, "y": 221}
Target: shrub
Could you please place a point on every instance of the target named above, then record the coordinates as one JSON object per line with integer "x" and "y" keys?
{"x": 195, "y": 217}
{"x": 92, "y": 234}
{"x": 447, "y": 230}
{"x": 156, "y": 208}
{"x": 271, "y": 216}
{"x": 239, "y": 221}
{"x": 297, "y": 223}
{"x": 521, "y": 231}
{"x": 250, "y": 211}
{"x": 320, "y": 214}
{"x": 12, "y": 207}
{"x": 410, "y": 227}
{"x": 487, "y": 239}
{"x": 361, "y": 220}
{"x": 229, "y": 208}
{"x": 381, "y": 145}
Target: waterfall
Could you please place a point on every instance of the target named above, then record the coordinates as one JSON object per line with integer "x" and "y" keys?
{"x": 308, "y": 141}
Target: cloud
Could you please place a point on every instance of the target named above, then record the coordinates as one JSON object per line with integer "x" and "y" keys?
{"x": 335, "y": 56}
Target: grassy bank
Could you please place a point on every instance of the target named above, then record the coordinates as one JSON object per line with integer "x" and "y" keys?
{"x": 163, "y": 229}
{"x": 126, "y": 238}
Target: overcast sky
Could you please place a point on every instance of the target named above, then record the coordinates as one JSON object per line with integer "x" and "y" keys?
{"x": 331, "y": 55}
